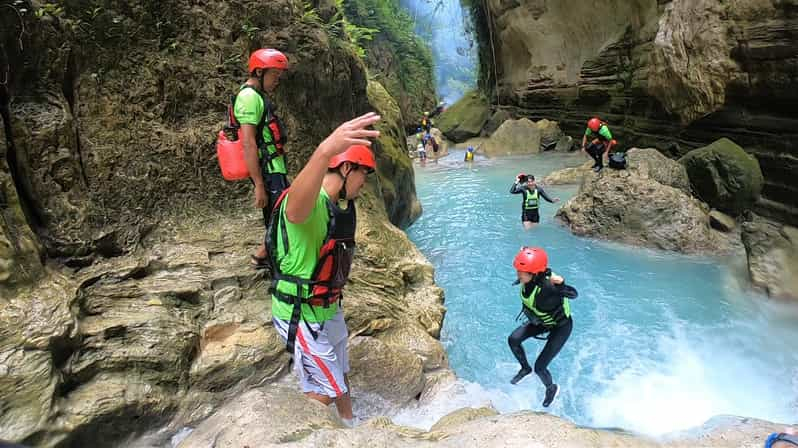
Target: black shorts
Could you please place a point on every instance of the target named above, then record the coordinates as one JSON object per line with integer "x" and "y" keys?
{"x": 530, "y": 215}
{"x": 275, "y": 184}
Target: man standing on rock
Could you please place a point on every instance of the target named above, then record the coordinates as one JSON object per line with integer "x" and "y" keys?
{"x": 525, "y": 184}
{"x": 311, "y": 242}
{"x": 600, "y": 144}
{"x": 263, "y": 134}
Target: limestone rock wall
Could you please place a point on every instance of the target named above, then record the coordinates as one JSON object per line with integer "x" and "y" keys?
{"x": 669, "y": 74}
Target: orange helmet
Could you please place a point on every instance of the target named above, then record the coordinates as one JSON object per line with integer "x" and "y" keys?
{"x": 594, "y": 124}
{"x": 267, "y": 58}
{"x": 531, "y": 259}
{"x": 357, "y": 154}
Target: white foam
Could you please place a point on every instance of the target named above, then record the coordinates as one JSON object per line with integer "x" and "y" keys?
{"x": 460, "y": 394}
{"x": 692, "y": 383}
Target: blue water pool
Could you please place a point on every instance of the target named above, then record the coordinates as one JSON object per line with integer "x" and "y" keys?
{"x": 661, "y": 341}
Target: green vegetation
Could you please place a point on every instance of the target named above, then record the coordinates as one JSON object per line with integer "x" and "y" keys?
{"x": 395, "y": 55}
{"x": 350, "y": 34}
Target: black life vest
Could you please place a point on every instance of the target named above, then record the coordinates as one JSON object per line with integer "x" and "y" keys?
{"x": 332, "y": 267}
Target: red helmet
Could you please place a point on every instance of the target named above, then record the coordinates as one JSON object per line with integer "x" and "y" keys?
{"x": 357, "y": 154}
{"x": 267, "y": 58}
{"x": 594, "y": 124}
{"x": 531, "y": 259}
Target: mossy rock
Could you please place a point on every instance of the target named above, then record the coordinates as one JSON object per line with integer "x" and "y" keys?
{"x": 724, "y": 175}
{"x": 394, "y": 166}
{"x": 465, "y": 118}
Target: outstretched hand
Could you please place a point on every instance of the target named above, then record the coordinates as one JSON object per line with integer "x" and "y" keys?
{"x": 353, "y": 132}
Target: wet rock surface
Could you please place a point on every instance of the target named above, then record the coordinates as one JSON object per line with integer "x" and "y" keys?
{"x": 671, "y": 74}
{"x": 772, "y": 250}
{"x": 624, "y": 206}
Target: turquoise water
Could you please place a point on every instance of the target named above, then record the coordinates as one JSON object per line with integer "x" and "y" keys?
{"x": 661, "y": 341}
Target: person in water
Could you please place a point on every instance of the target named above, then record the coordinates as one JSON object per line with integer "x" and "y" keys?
{"x": 421, "y": 152}
{"x": 312, "y": 241}
{"x": 469, "y": 155}
{"x": 525, "y": 184}
{"x": 600, "y": 142}
{"x": 545, "y": 303}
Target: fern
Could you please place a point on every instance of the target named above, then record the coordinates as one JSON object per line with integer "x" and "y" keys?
{"x": 310, "y": 15}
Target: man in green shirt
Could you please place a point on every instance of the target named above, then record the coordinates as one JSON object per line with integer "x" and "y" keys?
{"x": 263, "y": 134}
{"x": 311, "y": 242}
{"x": 600, "y": 142}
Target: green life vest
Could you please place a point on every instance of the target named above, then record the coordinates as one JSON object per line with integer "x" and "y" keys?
{"x": 549, "y": 319}
{"x": 530, "y": 199}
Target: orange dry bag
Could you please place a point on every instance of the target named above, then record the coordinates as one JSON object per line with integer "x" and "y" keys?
{"x": 230, "y": 149}
{"x": 231, "y": 157}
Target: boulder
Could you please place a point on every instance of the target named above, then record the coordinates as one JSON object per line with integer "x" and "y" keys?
{"x": 514, "y": 137}
{"x": 650, "y": 163}
{"x": 573, "y": 175}
{"x": 723, "y": 175}
{"x": 262, "y": 417}
{"x": 465, "y": 118}
{"x": 772, "y": 251}
{"x": 496, "y": 120}
{"x": 392, "y": 372}
{"x": 550, "y": 132}
{"x": 428, "y": 349}
{"x": 564, "y": 144}
{"x": 626, "y": 207}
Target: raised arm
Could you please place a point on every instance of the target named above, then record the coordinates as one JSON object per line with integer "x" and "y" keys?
{"x": 305, "y": 188}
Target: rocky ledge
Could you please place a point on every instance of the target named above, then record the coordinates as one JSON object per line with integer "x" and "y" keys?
{"x": 183, "y": 323}
{"x": 281, "y": 415}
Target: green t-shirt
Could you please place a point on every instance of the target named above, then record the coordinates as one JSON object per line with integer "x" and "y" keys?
{"x": 249, "y": 109}
{"x": 304, "y": 242}
{"x": 604, "y": 131}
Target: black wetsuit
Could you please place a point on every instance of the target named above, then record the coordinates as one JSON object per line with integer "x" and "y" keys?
{"x": 529, "y": 214}
{"x": 548, "y": 300}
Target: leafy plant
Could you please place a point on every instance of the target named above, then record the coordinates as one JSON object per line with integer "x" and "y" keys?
{"x": 310, "y": 15}
{"x": 250, "y": 30}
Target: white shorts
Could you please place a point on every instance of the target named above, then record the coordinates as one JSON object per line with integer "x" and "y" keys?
{"x": 322, "y": 362}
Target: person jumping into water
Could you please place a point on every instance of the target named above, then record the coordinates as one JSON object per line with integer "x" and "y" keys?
{"x": 545, "y": 303}
{"x": 525, "y": 184}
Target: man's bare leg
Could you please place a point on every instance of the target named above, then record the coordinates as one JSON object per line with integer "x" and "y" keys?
{"x": 344, "y": 403}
